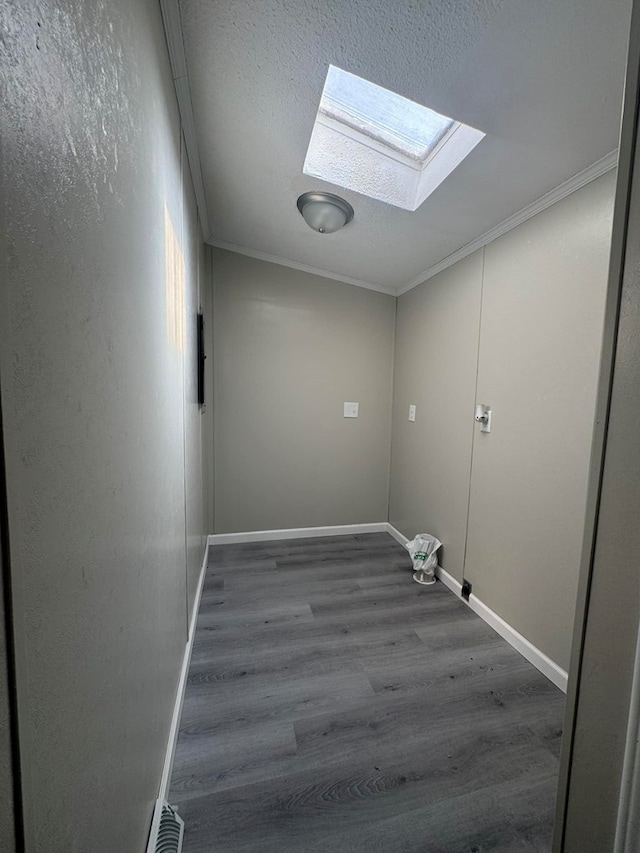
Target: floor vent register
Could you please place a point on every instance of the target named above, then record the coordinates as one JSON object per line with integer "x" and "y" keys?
{"x": 167, "y": 830}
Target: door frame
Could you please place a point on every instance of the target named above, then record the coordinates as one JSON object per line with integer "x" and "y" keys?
{"x": 12, "y": 835}
{"x": 580, "y": 756}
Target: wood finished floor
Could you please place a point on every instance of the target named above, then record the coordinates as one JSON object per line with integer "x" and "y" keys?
{"x": 333, "y": 705}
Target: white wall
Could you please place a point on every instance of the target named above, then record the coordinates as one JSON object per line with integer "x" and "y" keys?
{"x": 290, "y": 348}
{"x": 97, "y": 358}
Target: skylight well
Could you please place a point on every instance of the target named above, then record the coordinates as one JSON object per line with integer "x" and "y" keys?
{"x": 370, "y": 140}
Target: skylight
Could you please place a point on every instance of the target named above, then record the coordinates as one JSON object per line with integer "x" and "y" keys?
{"x": 373, "y": 141}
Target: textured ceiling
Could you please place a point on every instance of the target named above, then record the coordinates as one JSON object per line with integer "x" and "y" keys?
{"x": 542, "y": 78}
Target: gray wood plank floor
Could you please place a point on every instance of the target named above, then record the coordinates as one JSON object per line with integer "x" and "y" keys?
{"x": 334, "y": 704}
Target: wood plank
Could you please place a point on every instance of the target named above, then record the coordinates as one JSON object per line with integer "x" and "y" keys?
{"x": 228, "y": 705}
{"x": 325, "y": 805}
{"x": 333, "y": 704}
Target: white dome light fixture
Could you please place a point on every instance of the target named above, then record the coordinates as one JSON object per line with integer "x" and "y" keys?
{"x": 324, "y": 212}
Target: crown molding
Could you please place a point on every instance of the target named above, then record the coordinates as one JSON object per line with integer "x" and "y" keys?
{"x": 600, "y": 167}
{"x": 604, "y": 164}
{"x": 175, "y": 44}
{"x": 286, "y": 262}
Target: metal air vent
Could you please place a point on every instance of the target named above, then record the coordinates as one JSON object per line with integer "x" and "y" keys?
{"x": 167, "y": 830}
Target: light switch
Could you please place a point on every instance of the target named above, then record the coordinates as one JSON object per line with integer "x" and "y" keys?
{"x": 412, "y": 412}
{"x": 351, "y": 410}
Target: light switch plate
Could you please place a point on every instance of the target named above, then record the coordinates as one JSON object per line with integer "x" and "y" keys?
{"x": 351, "y": 410}
{"x": 412, "y": 413}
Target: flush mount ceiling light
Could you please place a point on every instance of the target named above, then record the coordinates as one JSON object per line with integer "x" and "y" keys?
{"x": 324, "y": 212}
{"x": 380, "y": 144}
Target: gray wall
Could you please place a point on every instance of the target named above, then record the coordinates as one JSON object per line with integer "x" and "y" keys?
{"x": 540, "y": 328}
{"x": 207, "y": 414}
{"x": 544, "y": 287}
{"x": 97, "y": 366}
{"x": 435, "y": 369}
{"x": 290, "y": 348}
{"x": 195, "y": 480}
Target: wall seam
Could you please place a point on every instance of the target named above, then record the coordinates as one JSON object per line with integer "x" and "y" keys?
{"x": 393, "y": 391}
{"x": 473, "y": 423}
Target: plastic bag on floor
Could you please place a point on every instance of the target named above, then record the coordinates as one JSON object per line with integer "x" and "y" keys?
{"x": 423, "y": 550}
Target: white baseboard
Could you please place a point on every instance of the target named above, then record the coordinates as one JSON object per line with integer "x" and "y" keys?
{"x": 533, "y": 654}
{"x": 296, "y": 533}
{"x": 542, "y": 662}
{"x": 182, "y": 683}
{"x": 449, "y": 581}
{"x": 399, "y": 537}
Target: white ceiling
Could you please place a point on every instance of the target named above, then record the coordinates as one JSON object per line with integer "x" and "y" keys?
{"x": 542, "y": 78}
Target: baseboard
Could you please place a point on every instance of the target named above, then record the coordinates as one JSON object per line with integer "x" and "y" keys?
{"x": 533, "y": 654}
{"x": 182, "y": 683}
{"x": 296, "y": 533}
{"x": 541, "y": 662}
{"x": 399, "y": 537}
{"x": 449, "y": 581}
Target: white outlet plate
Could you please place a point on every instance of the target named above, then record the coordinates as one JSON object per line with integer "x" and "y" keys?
{"x": 351, "y": 410}
{"x": 412, "y": 413}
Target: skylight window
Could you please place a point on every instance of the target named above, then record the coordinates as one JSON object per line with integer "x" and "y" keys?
{"x": 373, "y": 141}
